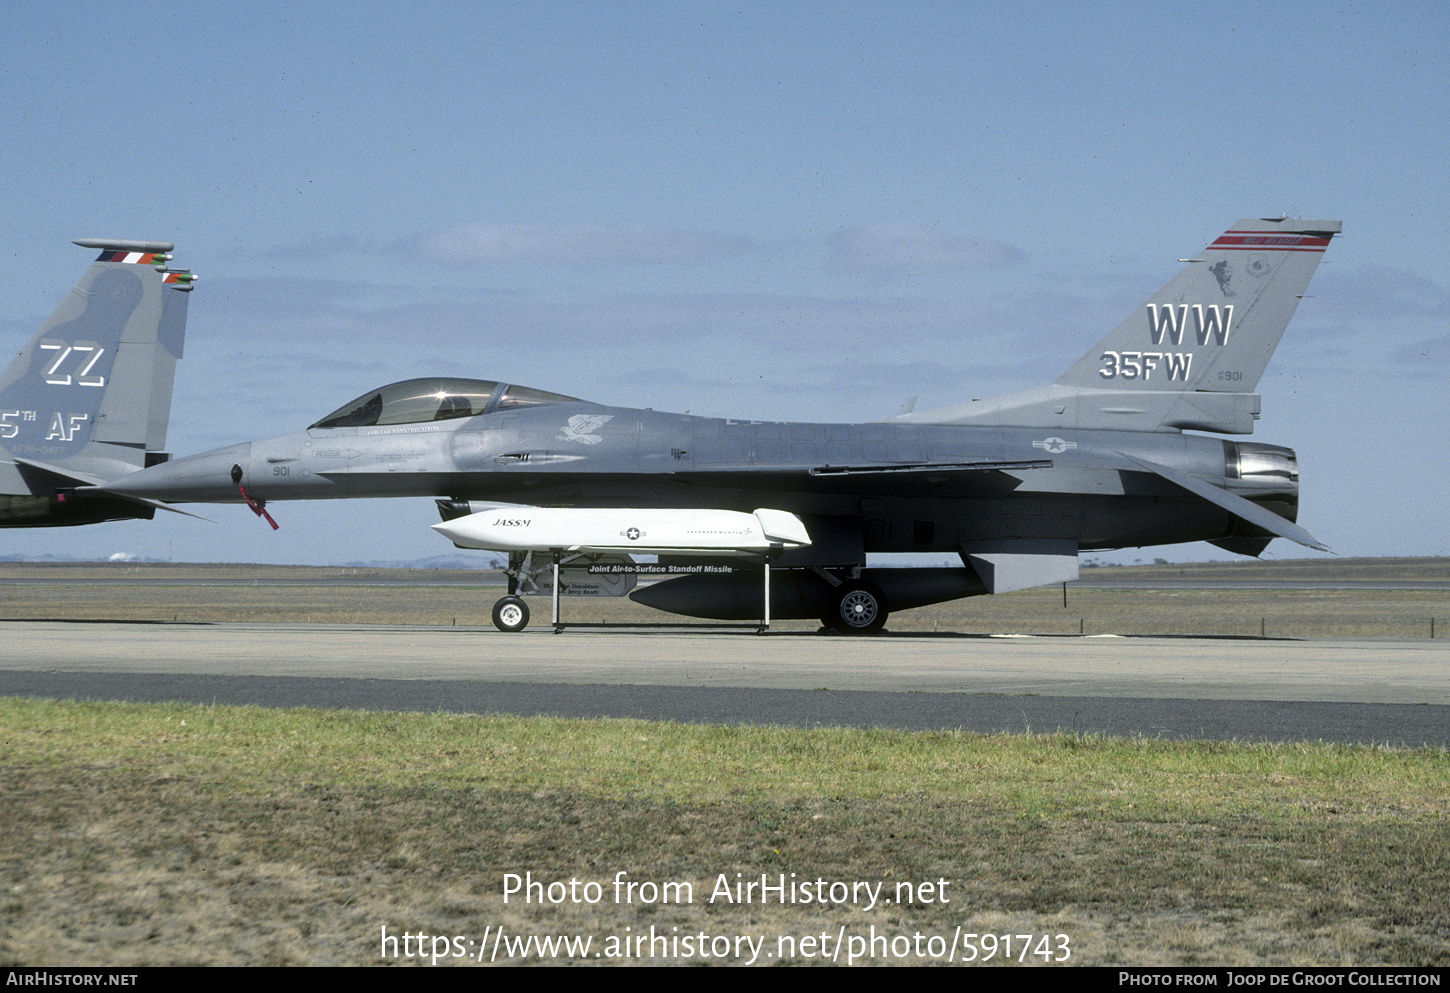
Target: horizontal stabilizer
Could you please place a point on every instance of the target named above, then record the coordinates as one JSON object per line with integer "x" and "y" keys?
{"x": 1246, "y": 509}
{"x": 158, "y": 505}
{"x": 57, "y": 476}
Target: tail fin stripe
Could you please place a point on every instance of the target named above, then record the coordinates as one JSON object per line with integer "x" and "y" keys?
{"x": 135, "y": 258}
{"x": 1265, "y": 241}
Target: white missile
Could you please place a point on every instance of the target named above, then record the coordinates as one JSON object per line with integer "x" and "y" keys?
{"x": 594, "y": 529}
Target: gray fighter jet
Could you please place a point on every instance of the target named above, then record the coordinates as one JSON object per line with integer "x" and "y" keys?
{"x": 87, "y": 399}
{"x": 1107, "y": 456}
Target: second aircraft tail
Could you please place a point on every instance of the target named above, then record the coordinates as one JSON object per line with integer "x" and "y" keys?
{"x": 88, "y": 397}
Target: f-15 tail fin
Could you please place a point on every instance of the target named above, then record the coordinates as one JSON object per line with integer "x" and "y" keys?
{"x": 1192, "y": 355}
{"x": 88, "y": 397}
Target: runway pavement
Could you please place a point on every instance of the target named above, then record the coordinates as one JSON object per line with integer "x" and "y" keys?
{"x": 1385, "y": 691}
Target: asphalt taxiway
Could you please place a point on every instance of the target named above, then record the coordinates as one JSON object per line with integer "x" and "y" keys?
{"x": 1393, "y": 692}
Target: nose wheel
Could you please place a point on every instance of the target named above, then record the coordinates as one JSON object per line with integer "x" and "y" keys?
{"x": 511, "y": 614}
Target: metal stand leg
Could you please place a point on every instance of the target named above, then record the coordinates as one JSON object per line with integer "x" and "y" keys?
{"x": 557, "y": 628}
{"x": 765, "y": 616}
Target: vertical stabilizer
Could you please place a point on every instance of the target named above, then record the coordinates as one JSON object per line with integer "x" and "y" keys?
{"x": 1215, "y": 326}
{"x": 91, "y": 392}
{"x": 1191, "y": 356}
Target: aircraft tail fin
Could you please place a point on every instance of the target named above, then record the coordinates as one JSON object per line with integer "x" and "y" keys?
{"x": 91, "y": 391}
{"x": 1192, "y": 355}
{"x": 1216, "y": 324}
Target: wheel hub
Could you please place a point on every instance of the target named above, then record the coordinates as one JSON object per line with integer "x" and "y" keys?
{"x": 859, "y": 609}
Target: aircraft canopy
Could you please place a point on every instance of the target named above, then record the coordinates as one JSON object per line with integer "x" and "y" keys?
{"x": 417, "y": 400}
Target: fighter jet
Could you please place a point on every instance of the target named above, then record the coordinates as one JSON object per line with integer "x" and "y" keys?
{"x": 87, "y": 398}
{"x": 1122, "y": 450}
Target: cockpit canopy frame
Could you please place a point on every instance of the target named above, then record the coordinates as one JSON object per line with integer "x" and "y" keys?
{"x": 418, "y": 401}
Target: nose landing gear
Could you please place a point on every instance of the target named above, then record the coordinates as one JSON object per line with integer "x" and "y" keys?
{"x": 511, "y": 613}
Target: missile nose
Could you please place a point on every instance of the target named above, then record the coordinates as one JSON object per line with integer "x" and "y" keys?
{"x": 456, "y": 531}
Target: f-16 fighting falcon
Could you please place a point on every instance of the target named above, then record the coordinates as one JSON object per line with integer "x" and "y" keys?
{"x": 87, "y": 398}
{"x": 1122, "y": 450}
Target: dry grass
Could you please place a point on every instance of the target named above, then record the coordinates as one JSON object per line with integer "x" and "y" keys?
{"x": 398, "y": 596}
{"x": 176, "y": 834}
{"x": 181, "y": 834}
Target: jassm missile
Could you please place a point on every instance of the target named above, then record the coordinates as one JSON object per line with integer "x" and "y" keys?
{"x": 594, "y": 529}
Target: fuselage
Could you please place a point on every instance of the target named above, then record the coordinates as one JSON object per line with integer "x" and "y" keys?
{"x": 1016, "y": 485}
{"x": 901, "y": 487}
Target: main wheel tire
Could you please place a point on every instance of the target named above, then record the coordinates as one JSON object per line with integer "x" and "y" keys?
{"x": 857, "y": 607}
{"x": 511, "y": 614}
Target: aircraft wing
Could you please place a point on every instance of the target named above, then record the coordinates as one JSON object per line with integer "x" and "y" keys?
{"x": 982, "y": 478}
{"x": 870, "y": 469}
{"x": 1234, "y": 504}
{"x": 938, "y": 467}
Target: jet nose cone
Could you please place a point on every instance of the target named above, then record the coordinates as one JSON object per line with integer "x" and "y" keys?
{"x": 205, "y": 478}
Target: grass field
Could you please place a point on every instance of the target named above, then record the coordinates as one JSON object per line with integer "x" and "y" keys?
{"x": 177, "y": 834}
{"x": 181, "y": 834}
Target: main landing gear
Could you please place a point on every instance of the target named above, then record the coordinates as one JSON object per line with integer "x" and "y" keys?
{"x": 857, "y": 607}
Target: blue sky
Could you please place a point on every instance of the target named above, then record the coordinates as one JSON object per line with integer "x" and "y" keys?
{"x": 783, "y": 211}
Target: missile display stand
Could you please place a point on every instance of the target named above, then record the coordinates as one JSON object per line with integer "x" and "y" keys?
{"x": 558, "y": 623}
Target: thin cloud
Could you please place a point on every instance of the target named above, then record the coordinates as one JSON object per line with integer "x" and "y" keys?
{"x": 1431, "y": 354}
{"x": 301, "y": 312}
{"x": 1383, "y": 292}
{"x": 576, "y": 244}
{"x": 895, "y": 250}
{"x": 320, "y": 247}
